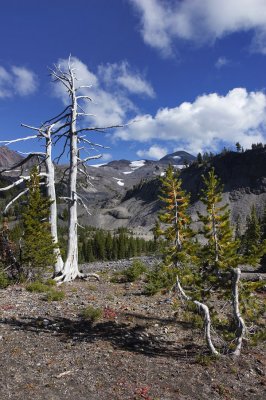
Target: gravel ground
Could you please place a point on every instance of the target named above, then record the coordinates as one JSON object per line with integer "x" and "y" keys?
{"x": 139, "y": 349}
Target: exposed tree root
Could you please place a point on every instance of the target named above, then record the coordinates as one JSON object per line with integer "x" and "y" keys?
{"x": 205, "y": 310}
{"x": 63, "y": 277}
{"x": 241, "y": 327}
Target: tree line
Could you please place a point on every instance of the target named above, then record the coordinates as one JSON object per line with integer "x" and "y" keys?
{"x": 103, "y": 245}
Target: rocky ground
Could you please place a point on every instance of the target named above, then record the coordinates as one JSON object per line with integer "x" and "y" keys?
{"x": 140, "y": 348}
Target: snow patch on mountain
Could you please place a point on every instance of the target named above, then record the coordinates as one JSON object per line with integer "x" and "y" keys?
{"x": 119, "y": 181}
{"x": 137, "y": 164}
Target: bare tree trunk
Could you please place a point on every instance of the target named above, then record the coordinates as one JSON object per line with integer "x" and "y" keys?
{"x": 73, "y": 136}
{"x": 71, "y": 271}
{"x": 52, "y": 195}
{"x": 241, "y": 328}
{"x": 207, "y": 320}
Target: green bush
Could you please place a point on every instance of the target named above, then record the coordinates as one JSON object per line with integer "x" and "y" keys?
{"x": 50, "y": 282}
{"x": 258, "y": 337}
{"x": 161, "y": 277}
{"x": 37, "y": 287}
{"x": 4, "y": 281}
{"x": 46, "y": 287}
{"x": 135, "y": 271}
{"x": 91, "y": 313}
{"x": 54, "y": 295}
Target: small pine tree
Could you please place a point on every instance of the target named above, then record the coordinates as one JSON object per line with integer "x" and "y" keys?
{"x": 199, "y": 158}
{"x": 238, "y": 228}
{"x": 253, "y": 244}
{"x": 115, "y": 249}
{"x": 99, "y": 245}
{"x": 263, "y": 224}
{"x": 238, "y": 147}
{"x": 108, "y": 246}
{"x": 174, "y": 216}
{"x": 38, "y": 244}
{"x": 221, "y": 250}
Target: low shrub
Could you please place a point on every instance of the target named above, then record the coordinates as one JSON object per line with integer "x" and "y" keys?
{"x": 91, "y": 314}
{"x": 4, "y": 281}
{"x": 50, "y": 282}
{"x": 54, "y": 295}
{"x": 161, "y": 277}
{"x": 132, "y": 273}
{"x": 37, "y": 287}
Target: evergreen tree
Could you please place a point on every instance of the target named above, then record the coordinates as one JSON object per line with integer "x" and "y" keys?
{"x": 174, "y": 216}
{"x": 132, "y": 248}
{"x": 99, "y": 245}
{"x": 156, "y": 231}
{"x": 263, "y": 224}
{"x": 221, "y": 250}
{"x": 253, "y": 245}
{"x": 238, "y": 228}
{"x": 115, "y": 249}
{"x": 238, "y": 147}
{"x": 122, "y": 248}
{"x": 38, "y": 244}
{"x": 89, "y": 253}
{"x": 199, "y": 158}
{"x": 108, "y": 246}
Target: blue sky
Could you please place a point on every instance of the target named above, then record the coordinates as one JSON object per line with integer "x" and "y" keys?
{"x": 191, "y": 73}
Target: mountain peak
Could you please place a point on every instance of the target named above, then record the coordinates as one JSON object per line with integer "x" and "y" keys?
{"x": 180, "y": 157}
{"x": 8, "y": 157}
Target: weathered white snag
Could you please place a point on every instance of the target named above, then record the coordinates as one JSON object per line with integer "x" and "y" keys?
{"x": 73, "y": 137}
{"x": 205, "y": 310}
{"x": 241, "y": 327}
{"x": 52, "y": 195}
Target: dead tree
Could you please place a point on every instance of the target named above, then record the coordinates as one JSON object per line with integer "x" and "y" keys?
{"x": 65, "y": 128}
{"x": 241, "y": 327}
{"x": 76, "y": 140}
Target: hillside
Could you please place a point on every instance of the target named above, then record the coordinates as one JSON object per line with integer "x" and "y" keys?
{"x": 8, "y": 157}
{"x": 243, "y": 176}
{"x": 125, "y": 193}
{"x": 140, "y": 348}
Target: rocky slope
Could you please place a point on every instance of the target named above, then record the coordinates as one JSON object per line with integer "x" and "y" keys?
{"x": 133, "y": 200}
{"x": 140, "y": 348}
{"x": 243, "y": 176}
{"x": 8, "y": 157}
{"x": 125, "y": 193}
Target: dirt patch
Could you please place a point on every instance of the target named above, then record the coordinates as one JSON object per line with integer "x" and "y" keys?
{"x": 138, "y": 349}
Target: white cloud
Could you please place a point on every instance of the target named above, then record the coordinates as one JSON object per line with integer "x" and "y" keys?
{"x": 107, "y": 157}
{"x": 154, "y": 152}
{"x": 18, "y": 80}
{"x": 163, "y": 21}
{"x": 259, "y": 42}
{"x": 211, "y": 120}
{"x": 25, "y": 81}
{"x": 222, "y": 62}
{"x": 110, "y": 105}
{"x": 123, "y": 75}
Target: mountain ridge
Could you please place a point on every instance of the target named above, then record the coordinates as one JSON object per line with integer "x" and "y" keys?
{"x": 125, "y": 193}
